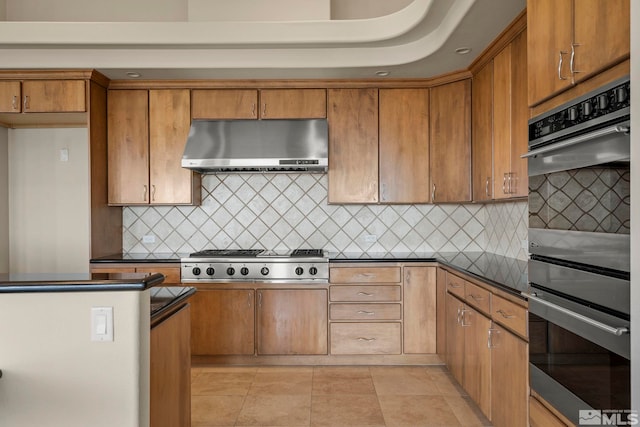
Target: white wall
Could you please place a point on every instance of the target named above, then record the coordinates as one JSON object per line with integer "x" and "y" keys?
{"x": 48, "y": 201}
{"x": 252, "y": 10}
{"x": 4, "y": 201}
{"x": 54, "y": 375}
{"x": 635, "y": 206}
{"x": 362, "y": 9}
{"x": 96, "y": 10}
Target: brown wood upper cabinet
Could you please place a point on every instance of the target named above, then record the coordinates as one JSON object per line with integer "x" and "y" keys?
{"x": 450, "y": 142}
{"x": 353, "y": 145}
{"x": 571, "y": 40}
{"x": 147, "y": 133}
{"x": 258, "y": 104}
{"x": 500, "y": 117}
{"x": 43, "y": 96}
{"x": 404, "y": 145}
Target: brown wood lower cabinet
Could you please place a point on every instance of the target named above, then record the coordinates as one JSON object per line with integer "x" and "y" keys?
{"x": 485, "y": 349}
{"x": 223, "y": 322}
{"x": 170, "y": 371}
{"x": 509, "y": 386}
{"x": 292, "y": 321}
{"x": 247, "y": 322}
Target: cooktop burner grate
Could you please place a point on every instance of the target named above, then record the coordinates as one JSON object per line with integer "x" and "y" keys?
{"x": 308, "y": 253}
{"x": 227, "y": 253}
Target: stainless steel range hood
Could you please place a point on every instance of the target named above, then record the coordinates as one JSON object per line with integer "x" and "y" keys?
{"x": 257, "y": 146}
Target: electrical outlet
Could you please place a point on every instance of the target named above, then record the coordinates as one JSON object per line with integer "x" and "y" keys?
{"x": 370, "y": 238}
{"x": 150, "y": 238}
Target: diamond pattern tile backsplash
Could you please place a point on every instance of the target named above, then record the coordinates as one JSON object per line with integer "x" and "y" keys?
{"x": 288, "y": 211}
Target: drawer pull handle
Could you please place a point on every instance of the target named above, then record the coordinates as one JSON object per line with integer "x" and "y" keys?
{"x": 365, "y": 339}
{"x": 365, "y": 294}
{"x": 368, "y": 313}
{"x": 476, "y": 297}
{"x": 366, "y": 275}
{"x": 454, "y": 285}
{"x": 505, "y": 314}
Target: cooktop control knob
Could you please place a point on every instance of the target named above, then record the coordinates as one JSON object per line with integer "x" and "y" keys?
{"x": 196, "y": 271}
{"x": 573, "y": 113}
{"x": 621, "y": 95}
{"x": 313, "y": 271}
{"x": 299, "y": 271}
{"x": 603, "y": 101}
{"x": 231, "y": 271}
{"x": 210, "y": 271}
{"x": 244, "y": 271}
{"x": 264, "y": 271}
{"x": 587, "y": 109}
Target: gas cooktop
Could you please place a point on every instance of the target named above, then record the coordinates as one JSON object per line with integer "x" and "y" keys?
{"x": 256, "y": 265}
{"x": 244, "y": 253}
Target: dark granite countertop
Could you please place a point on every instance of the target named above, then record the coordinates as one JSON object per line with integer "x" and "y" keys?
{"x": 14, "y": 283}
{"x": 140, "y": 258}
{"x": 509, "y": 274}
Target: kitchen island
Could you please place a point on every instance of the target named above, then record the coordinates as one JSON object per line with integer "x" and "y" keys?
{"x": 83, "y": 350}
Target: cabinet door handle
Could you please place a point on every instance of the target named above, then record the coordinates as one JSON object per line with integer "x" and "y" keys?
{"x": 505, "y": 314}
{"x": 366, "y": 294}
{"x": 249, "y": 299}
{"x": 504, "y": 183}
{"x": 259, "y": 299}
{"x": 368, "y": 313}
{"x": 459, "y": 314}
{"x": 27, "y": 104}
{"x": 560, "y": 61}
{"x": 572, "y": 61}
{"x": 462, "y": 317}
{"x": 490, "y": 337}
{"x": 264, "y": 110}
{"x": 365, "y": 339}
{"x": 383, "y": 192}
{"x": 14, "y": 102}
{"x": 433, "y": 193}
{"x": 153, "y": 193}
{"x": 486, "y": 187}
{"x": 144, "y": 194}
{"x": 253, "y": 109}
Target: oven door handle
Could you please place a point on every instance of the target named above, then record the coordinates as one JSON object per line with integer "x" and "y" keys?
{"x": 618, "y": 331}
{"x": 619, "y": 128}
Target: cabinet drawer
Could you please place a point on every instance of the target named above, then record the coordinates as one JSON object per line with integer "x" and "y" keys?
{"x": 364, "y": 274}
{"x": 455, "y": 285}
{"x": 478, "y": 297}
{"x": 365, "y": 338}
{"x": 358, "y": 293}
{"x": 510, "y": 315}
{"x": 171, "y": 274}
{"x": 365, "y": 311}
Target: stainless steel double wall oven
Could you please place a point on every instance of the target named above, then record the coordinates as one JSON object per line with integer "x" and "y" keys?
{"x": 579, "y": 208}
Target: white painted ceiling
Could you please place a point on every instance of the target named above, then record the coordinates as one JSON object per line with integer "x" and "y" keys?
{"x": 417, "y": 41}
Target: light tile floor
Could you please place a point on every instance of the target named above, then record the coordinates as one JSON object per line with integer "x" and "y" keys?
{"x": 330, "y": 396}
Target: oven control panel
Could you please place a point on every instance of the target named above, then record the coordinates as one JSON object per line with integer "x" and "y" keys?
{"x": 607, "y": 103}
{"x": 204, "y": 271}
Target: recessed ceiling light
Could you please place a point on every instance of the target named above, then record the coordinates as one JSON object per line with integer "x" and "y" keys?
{"x": 133, "y": 74}
{"x": 382, "y": 73}
{"x": 463, "y": 50}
